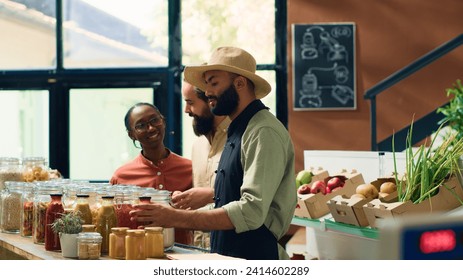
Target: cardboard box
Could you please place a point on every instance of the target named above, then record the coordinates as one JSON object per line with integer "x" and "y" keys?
{"x": 349, "y": 210}
{"x": 448, "y": 198}
{"x": 314, "y": 206}
{"x": 318, "y": 174}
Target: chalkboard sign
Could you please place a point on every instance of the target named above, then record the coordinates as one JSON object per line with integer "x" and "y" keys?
{"x": 324, "y": 66}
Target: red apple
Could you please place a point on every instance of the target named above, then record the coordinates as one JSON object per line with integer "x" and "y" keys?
{"x": 335, "y": 182}
{"x": 304, "y": 189}
{"x": 318, "y": 186}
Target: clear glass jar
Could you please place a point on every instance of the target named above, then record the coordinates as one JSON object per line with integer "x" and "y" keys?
{"x": 169, "y": 234}
{"x": 10, "y": 170}
{"x": 55, "y": 210}
{"x": 105, "y": 220}
{"x": 82, "y": 206}
{"x": 123, "y": 201}
{"x": 41, "y": 201}
{"x": 11, "y": 207}
{"x": 27, "y": 209}
{"x": 35, "y": 169}
{"x": 70, "y": 191}
{"x": 154, "y": 240}
{"x": 89, "y": 245}
{"x": 117, "y": 242}
{"x": 135, "y": 245}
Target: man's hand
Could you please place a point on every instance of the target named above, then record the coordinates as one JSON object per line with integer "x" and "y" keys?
{"x": 193, "y": 198}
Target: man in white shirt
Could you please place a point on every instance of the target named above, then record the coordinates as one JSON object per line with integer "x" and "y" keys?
{"x": 206, "y": 152}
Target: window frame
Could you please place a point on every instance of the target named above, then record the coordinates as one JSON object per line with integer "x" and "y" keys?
{"x": 165, "y": 81}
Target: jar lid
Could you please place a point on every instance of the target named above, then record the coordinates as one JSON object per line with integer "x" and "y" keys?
{"x": 90, "y": 237}
{"x": 119, "y": 229}
{"x": 82, "y": 195}
{"x": 136, "y": 232}
{"x": 154, "y": 229}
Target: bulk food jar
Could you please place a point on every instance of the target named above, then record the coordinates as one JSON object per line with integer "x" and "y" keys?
{"x": 55, "y": 210}
{"x": 11, "y": 207}
{"x": 10, "y": 170}
{"x": 123, "y": 200}
{"x": 35, "y": 169}
{"x": 27, "y": 209}
{"x": 82, "y": 208}
{"x": 41, "y": 201}
{"x": 169, "y": 234}
{"x": 105, "y": 220}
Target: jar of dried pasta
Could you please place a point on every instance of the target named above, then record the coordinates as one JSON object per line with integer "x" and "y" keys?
{"x": 35, "y": 169}
{"x": 10, "y": 170}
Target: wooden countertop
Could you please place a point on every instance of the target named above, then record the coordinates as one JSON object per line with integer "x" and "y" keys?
{"x": 25, "y": 247}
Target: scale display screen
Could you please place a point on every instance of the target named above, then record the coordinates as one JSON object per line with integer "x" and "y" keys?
{"x": 433, "y": 242}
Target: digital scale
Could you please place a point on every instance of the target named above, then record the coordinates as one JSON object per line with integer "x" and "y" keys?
{"x": 423, "y": 237}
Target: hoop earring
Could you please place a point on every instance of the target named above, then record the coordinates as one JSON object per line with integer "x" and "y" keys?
{"x": 135, "y": 144}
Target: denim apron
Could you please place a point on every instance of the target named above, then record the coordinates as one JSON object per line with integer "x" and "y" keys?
{"x": 258, "y": 244}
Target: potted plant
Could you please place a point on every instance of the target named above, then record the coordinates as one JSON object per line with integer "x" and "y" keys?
{"x": 68, "y": 226}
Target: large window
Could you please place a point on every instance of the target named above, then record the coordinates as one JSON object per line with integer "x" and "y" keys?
{"x": 24, "y": 123}
{"x": 70, "y": 70}
{"x": 114, "y": 33}
{"x": 99, "y": 142}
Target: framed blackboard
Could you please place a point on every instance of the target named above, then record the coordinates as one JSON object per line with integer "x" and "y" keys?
{"x": 324, "y": 66}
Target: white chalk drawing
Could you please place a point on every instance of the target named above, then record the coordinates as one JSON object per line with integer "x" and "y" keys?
{"x": 323, "y": 53}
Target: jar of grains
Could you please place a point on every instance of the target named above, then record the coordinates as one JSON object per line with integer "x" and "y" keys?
{"x": 10, "y": 170}
{"x": 11, "y": 207}
{"x": 35, "y": 169}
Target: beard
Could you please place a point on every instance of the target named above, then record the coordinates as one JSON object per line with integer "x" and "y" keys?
{"x": 227, "y": 102}
{"x": 203, "y": 125}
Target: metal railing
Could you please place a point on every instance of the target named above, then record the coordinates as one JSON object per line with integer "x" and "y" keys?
{"x": 422, "y": 127}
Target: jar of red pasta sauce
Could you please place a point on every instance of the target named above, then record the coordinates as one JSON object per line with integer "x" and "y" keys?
{"x": 55, "y": 210}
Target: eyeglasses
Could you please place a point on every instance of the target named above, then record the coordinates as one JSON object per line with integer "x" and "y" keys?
{"x": 143, "y": 126}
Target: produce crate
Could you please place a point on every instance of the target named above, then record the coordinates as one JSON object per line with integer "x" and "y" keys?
{"x": 318, "y": 174}
{"x": 449, "y": 197}
{"x": 349, "y": 210}
{"x": 314, "y": 206}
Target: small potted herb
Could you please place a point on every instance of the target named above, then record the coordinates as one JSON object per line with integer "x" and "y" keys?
{"x": 68, "y": 226}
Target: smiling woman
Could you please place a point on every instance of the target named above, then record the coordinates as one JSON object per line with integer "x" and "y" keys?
{"x": 156, "y": 166}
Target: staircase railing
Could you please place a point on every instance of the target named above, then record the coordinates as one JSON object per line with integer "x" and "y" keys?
{"x": 422, "y": 127}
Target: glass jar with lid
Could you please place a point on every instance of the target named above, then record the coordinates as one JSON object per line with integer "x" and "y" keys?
{"x": 54, "y": 211}
{"x": 89, "y": 245}
{"x": 41, "y": 201}
{"x": 170, "y": 234}
{"x": 70, "y": 190}
{"x": 35, "y": 169}
{"x": 154, "y": 240}
{"x": 27, "y": 209}
{"x": 105, "y": 220}
{"x": 82, "y": 207}
{"x": 135, "y": 244}
{"x": 117, "y": 242}
{"x": 10, "y": 170}
{"x": 123, "y": 201}
{"x": 11, "y": 207}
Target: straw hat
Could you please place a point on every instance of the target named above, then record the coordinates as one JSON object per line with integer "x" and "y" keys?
{"x": 233, "y": 60}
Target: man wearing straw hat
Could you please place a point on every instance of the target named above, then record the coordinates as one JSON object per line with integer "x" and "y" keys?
{"x": 255, "y": 193}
